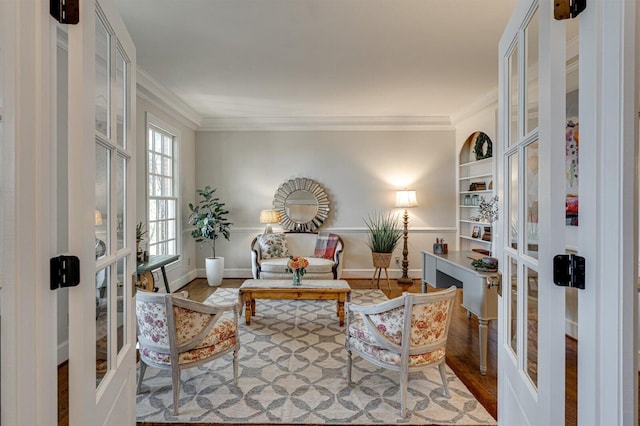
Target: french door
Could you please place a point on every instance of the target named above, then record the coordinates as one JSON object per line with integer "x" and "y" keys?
{"x": 531, "y": 186}
{"x": 530, "y": 340}
{"x": 101, "y": 217}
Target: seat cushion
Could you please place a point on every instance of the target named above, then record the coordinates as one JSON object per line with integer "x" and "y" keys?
{"x": 190, "y": 356}
{"x": 362, "y": 341}
{"x": 279, "y": 265}
{"x": 273, "y": 246}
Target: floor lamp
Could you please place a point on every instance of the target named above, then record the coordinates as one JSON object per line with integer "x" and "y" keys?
{"x": 406, "y": 199}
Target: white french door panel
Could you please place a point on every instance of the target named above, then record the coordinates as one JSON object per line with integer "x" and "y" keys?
{"x": 27, "y": 198}
{"x": 608, "y": 214}
{"x": 531, "y": 350}
{"x": 102, "y": 217}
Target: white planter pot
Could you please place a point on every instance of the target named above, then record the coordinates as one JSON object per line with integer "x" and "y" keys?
{"x": 215, "y": 270}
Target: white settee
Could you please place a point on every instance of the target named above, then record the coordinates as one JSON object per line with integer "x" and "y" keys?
{"x": 298, "y": 244}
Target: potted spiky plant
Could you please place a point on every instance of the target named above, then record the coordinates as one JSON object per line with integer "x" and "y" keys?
{"x": 209, "y": 217}
{"x": 384, "y": 234}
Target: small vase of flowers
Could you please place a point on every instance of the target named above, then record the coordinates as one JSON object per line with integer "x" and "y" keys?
{"x": 297, "y": 265}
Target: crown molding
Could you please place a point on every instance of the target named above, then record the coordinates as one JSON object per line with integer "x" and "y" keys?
{"x": 325, "y": 123}
{"x": 490, "y": 99}
{"x": 159, "y": 95}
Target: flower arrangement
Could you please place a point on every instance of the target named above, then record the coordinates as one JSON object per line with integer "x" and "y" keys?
{"x": 297, "y": 264}
{"x": 488, "y": 209}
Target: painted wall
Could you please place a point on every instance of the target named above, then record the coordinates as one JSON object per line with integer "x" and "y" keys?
{"x": 181, "y": 272}
{"x": 360, "y": 170}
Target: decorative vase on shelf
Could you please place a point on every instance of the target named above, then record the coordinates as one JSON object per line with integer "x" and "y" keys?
{"x": 297, "y": 277}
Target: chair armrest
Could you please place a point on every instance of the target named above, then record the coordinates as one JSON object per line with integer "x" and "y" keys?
{"x": 255, "y": 258}
{"x": 375, "y": 308}
{"x": 203, "y": 308}
{"x": 337, "y": 259}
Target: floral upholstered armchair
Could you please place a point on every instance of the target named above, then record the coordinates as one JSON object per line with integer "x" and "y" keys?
{"x": 404, "y": 334}
{"x": 176, "y": 333}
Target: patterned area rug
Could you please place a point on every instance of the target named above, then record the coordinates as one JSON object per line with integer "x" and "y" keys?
{"x": 291, "y": 370}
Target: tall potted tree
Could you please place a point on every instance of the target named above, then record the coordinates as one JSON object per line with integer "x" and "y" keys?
{"x": 384, "y": 234}
{"x": 210, "y": 221}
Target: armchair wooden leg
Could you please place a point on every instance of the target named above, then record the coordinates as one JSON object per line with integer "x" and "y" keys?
{"x": 175, "y": 377}
{"x": 235, "y": 365}
{"x": 443, "y": 375}
{"x": 143, "y": 368}
{"x": 348, "y": 367}
{"x": 404, "y": 412}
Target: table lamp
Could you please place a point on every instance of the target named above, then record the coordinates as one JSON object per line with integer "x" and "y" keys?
{"x": 269, "y": 217}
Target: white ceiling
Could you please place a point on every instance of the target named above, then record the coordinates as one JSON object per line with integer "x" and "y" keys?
{"x": 320, "y": 58}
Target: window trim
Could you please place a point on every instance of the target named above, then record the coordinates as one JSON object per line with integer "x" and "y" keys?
{"x": 155, "y": 122}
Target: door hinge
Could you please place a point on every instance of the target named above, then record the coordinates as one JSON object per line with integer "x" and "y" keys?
{"x": 65, "y": 11}
{"x": 64, "y": 272}
{"x": 567, "y": 9}
{"x": 569, "y": 270}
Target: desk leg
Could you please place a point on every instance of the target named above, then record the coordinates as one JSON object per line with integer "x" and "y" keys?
{"x": 483, "y": 330}
{"x": 166, "y": 281}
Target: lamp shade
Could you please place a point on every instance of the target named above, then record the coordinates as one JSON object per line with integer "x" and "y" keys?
{"x": 98, "y": 218}
{"x": 406, "y": 198}
{"x": 269, "y": 216}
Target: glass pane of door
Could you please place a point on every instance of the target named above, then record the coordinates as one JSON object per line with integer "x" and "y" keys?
{"x": 103, "y": 338}
{"x": 120, "y": 96}
{"x": 512, "y": 269}
{"x": 531, "y": 191}
{"x": 121, "y": 319}
{"x": 103, "y": 77}
{"x": 512, "y": 204}
{"x": 121, "y": 196}
{"x": 531, "y": 73}
{"x": 532, "y": 325}
{"x": 513, "y": 97}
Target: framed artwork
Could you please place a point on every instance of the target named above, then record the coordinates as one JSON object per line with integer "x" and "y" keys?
{"x": 475, "y": 232}
{"x": 486, "y": 235}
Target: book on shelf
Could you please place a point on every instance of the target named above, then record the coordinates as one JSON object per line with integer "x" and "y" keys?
{"x": 478, "y": 186}
{"x": 481, "y": 251}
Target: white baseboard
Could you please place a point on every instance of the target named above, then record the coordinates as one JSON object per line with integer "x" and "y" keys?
{"x": 63, "y": 351}
{"x": 571, "y": 329}
{"x": 181, "y": 281}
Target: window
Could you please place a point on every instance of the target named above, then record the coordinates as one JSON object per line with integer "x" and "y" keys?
{"x": 162, "y": 183}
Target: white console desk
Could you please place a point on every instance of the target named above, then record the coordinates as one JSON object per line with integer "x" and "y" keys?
{"x": 478, "y": 297}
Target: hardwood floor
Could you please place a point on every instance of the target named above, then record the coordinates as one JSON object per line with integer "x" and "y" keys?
{"x": 462, "y": 351}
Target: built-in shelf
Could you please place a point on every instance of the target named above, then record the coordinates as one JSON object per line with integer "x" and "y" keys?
{"x": 472, "y": 171}
{"x": 482, "y": 176}
{"x": 475, "y": 240}
{"x": 488, "y": 191}
{"x": 477, "y": 162}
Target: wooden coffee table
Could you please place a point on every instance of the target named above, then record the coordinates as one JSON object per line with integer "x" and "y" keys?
{"x": 338, "y": 290}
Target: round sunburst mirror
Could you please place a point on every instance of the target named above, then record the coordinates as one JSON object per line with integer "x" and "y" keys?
{"x": 303, "y": 204}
